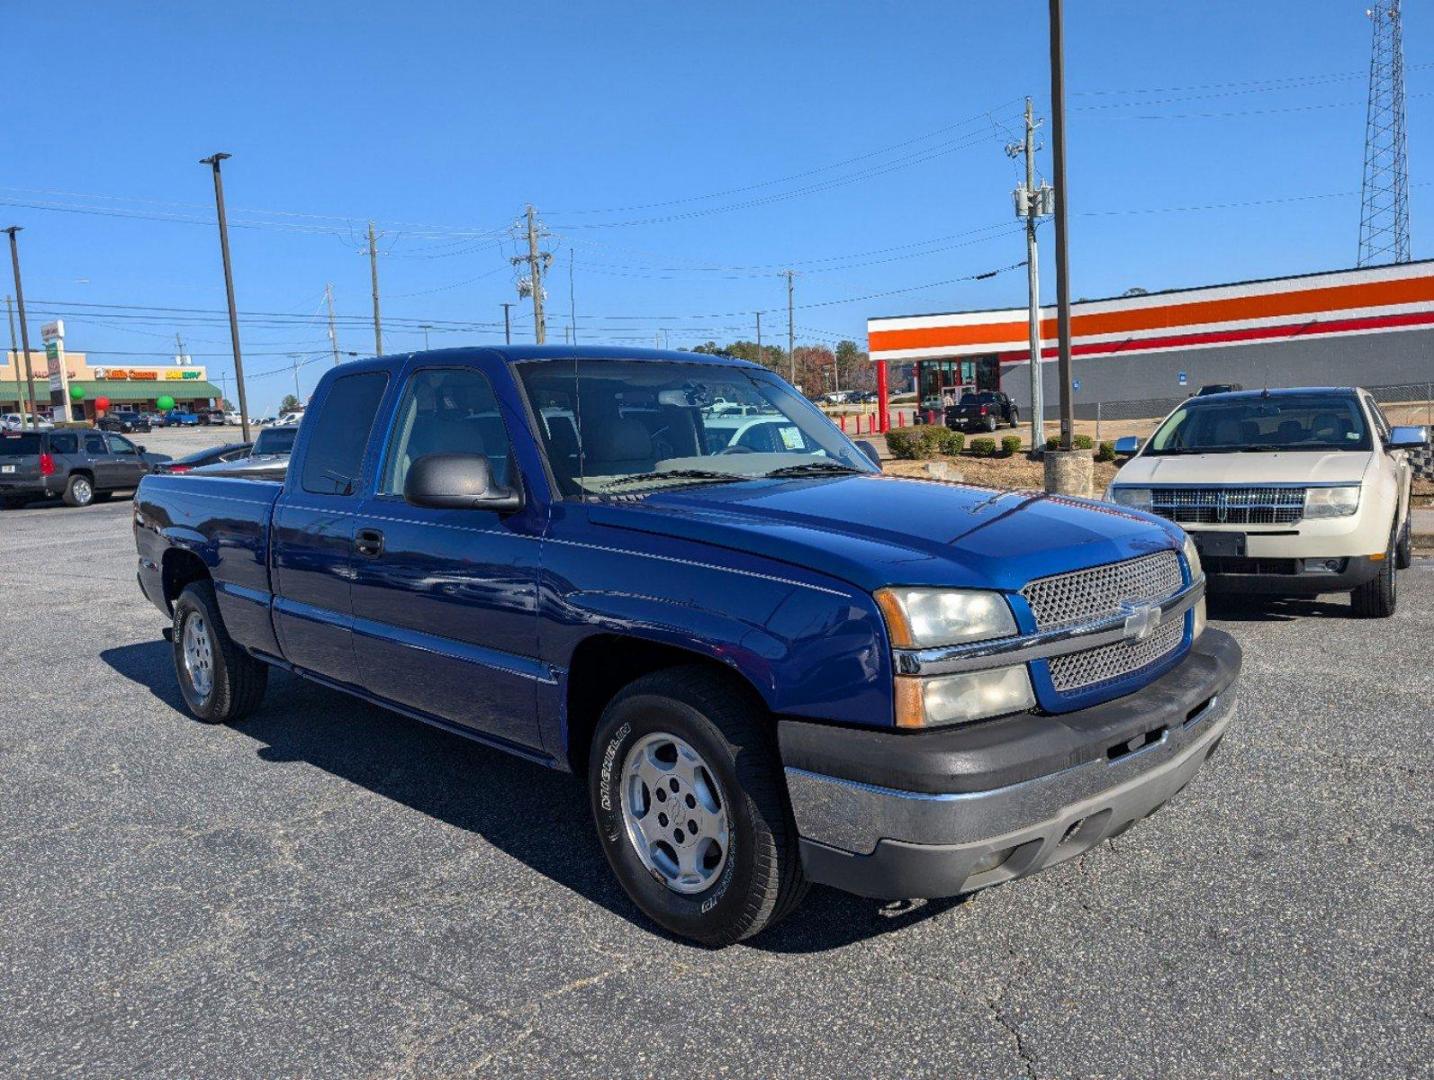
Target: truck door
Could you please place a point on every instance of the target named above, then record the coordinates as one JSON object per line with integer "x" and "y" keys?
{"x": 445, "y": 601}
{"x": 312, "y": 544}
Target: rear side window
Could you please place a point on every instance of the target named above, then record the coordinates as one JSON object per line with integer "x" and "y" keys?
{"x": 336, "y": 445}
{"x": 94, "y": 444}
{"x": 66, "y": 442}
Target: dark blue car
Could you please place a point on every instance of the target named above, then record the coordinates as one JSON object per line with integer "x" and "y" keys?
{"x": 771, "y": 663}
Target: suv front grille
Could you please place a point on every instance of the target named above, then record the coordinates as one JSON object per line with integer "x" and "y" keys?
{"x": 1098, "y": 593}
{"x": 1229, "y": 505}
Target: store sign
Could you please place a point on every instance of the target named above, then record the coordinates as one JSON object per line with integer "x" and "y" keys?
{"x": 53, "y": 335}
{"x": 188, "y": 373}
{"x": 115, "y": 374}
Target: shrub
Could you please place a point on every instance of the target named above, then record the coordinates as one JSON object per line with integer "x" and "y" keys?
{"x": 983, "y": 447}
{"x": 951, "y": 442}
{"x": 1083, "y": 442}
{"x": 1106, "y": 452}
{"x": 903, "y": 444}
{"x": 1010, "y": 445}
{"x": 1053, "y": 443}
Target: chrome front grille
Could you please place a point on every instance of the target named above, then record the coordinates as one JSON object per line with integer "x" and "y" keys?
{"x": 1229, "y": 505}
{"x": 1081, "y": 670}
{"x": 1100, "y": 592}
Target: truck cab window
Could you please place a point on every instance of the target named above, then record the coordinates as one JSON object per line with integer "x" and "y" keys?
{"x": 335, "y": 454}
{"x": 446, "y": 411}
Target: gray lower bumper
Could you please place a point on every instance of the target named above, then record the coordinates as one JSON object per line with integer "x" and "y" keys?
{"x": 881, "y": 842}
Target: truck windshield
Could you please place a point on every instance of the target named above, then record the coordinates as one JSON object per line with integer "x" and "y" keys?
{"x": 1249, "y": 424}
{"x": 616, "y": 426}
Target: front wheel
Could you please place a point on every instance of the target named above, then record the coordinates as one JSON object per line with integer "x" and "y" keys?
{"x": 1015, "y": 418}
{"x": 688, "y": 796}
{"x": 1376, "y": 599}
{"x": 220, "y": 682}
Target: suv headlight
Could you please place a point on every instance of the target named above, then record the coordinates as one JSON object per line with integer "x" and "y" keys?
{"x": 1328, "y": 502}
{"x": 1137, "y": 498}
{"x": 925, "y": 618}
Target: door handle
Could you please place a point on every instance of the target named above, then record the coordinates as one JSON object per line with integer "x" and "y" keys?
{"x": 369, "y": 542}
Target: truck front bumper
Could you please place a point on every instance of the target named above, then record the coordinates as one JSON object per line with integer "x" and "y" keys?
{"x": 939, "y": 813}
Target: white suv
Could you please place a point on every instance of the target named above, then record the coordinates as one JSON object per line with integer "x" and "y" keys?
{"x": 1295, "y": 492}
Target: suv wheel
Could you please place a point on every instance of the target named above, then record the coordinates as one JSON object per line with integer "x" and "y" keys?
{"x": 79, "y": 490}
{"x": 220, "y": 682}
{"x": 687, "y": 792}
{"x": 991, "y": 422}
{"x": 1376, "y": 599}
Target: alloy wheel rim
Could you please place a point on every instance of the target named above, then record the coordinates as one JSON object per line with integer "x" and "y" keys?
{"x": 675, "y": 813}
{"x": 83, "y": 491}
{"x": 198, "y": 655}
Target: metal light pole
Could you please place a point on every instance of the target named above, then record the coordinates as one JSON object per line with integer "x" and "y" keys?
{"x": 213, "y": 161}
{"x": 24, "y": 326}
{"x": 1058, "y": 156}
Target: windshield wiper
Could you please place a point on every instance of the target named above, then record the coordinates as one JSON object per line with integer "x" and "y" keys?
{"x": 676, "y": 474}
{"x": 812, "y": 468}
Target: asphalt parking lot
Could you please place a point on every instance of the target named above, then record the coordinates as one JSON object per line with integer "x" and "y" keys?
{"x": 328, "y": 889}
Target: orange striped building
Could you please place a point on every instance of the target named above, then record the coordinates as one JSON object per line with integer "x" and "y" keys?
{"x": 1371, "y": 327}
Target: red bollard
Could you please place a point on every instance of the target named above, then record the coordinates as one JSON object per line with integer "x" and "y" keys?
{"x": 841, "y": 419}
{"x": 900, "y": 418}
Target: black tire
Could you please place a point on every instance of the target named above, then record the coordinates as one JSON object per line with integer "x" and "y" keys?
{"x": 79, "y": 490}
{"x": 991, "y": 422}
{"x": 1015, "y": 418}
{"x": 1404, "y": 550}
{"x": 237, "y": 680}
{"x": 1376, "y": 599}
{"x": 761, "y": 881}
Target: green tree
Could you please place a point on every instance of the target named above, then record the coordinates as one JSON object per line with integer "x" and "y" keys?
{"x": 289, "y": 404}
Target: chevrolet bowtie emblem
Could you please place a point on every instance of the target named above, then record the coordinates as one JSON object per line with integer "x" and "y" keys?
{"x": 1141, "y": 621}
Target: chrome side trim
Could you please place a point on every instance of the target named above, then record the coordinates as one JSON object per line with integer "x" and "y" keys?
{"x": 1041, "y": 645}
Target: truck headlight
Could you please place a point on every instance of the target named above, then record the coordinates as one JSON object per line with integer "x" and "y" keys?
{"x": 1137, "y": 498}
{"x": 925, "y": 618}
{"x": 956, "y": 699}
{"x": 1328, "y": 502}
{"x": 1192, "y": 559}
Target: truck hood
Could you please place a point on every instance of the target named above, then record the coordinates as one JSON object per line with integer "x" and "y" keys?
{"x": 873, "y": 531}
{"x": 1332, "y": 467}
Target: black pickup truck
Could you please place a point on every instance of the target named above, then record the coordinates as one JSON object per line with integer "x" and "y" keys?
{"x": 982, "y": 411}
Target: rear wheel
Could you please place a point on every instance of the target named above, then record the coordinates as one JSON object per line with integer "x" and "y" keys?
{"x": 79, "y": 490}
{"x": 991, "y": 422}
{"x": 687, "y": 792}
{"x": 1376, "y": 599}
{"x": 220, "y": 682}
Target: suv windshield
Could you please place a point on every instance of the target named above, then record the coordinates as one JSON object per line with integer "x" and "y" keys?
{"x": 275, "y": 441}
{"x": 1284, "y": 422}
{"x": 620, "y": 426}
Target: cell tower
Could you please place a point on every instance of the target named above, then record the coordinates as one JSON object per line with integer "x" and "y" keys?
{"x": 1384, "y": 208}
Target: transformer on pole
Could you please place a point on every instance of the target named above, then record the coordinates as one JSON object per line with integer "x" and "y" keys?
{"x": 1384, "y": 204}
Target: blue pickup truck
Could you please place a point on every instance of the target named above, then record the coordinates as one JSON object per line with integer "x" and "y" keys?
{"x": 772, "y": 664}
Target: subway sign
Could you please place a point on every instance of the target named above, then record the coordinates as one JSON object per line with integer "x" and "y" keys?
{"x": 147, "y": 374}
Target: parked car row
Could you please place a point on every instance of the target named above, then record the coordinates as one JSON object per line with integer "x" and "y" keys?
{"x": 76, "y": 466}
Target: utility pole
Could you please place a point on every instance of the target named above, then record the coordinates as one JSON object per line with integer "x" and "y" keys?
{"x": 295, "y": 357}
{"x": 19, "y": 387}
{"x": 1032, "y": 203}
{"x": 791, "y": 331}
{"x": 333, "y": 331}
{"x": 425, "y": 328}
{"x": 1063, "y": 274}
{"x": 537, "y": 261}
{"x": 759, "y": 337}
{"x": 213, "y": 162}
{"x": 572, "y": 300}
{"x": 507, "y": 326}
{"x": 24, "y": 329}
{"x": 373, "y": 276}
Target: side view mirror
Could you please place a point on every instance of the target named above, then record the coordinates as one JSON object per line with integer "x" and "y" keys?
{"x": 141, "y": 449}
{"x": 1408, "y": 437}
{"x": 870, "y": 451}
{"x": 1127, "y": 446}
{"x": 458, "y": 482}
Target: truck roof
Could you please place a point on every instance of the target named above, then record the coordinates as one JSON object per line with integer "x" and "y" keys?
{"x": 516, "y": 354}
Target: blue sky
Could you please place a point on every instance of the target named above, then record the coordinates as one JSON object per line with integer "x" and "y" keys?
{"x": 648, "y": 136}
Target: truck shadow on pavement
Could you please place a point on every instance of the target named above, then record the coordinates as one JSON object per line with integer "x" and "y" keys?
{"x": 1233, "y": 608}
{"x": 521, "y": 808}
